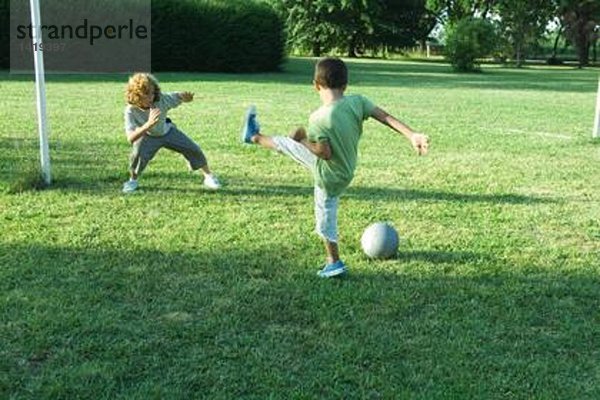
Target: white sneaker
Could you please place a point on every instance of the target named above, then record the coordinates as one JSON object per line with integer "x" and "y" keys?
{"x": 211, "y": 182}
{"x": 130, "y": 186}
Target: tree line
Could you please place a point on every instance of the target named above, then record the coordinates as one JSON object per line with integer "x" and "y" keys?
{"x": 354, "y": 27}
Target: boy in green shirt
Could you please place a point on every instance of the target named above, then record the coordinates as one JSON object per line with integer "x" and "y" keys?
{"x": 330, "y": 149}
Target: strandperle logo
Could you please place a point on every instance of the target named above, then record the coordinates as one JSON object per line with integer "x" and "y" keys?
{"x": 82, "y": 36}
{"x": 85, "y": 31}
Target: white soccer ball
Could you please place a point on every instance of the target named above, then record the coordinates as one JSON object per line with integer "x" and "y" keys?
{"x": 380, "y": 240}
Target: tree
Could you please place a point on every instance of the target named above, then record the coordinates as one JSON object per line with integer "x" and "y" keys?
{"x": 355, "y": 21}
{"x": 580, "y": 18}
{"x": 468, "y": 40}
{"x": 309, "y": 25}
{"x": 559, "y": 31}
{"x": 375, "y": 24}
{"x": 353, "y": 26}
{"x": 404, "y": 22}
{"x": 595, "y": 39}
{"x": 523, "y": 22}
{"x": 449, "y": 12}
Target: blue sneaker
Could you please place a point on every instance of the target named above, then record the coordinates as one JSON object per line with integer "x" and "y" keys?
{"x": 331, "y": 270}
{"x": 251, "y": 126}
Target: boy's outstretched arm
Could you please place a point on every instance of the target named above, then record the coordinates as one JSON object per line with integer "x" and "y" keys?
{"x": 186, "y": 97}
{"x": 419, "y": 141}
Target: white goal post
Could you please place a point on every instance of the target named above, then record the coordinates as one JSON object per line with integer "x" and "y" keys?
{"x": 40, "y": 90}
{"x": 596, "y": 133}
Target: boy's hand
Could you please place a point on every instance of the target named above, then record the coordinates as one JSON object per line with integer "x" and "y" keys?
{"x": 186, "y": 97}
{"x": 420, "y": 143}
{"x": 298, "y": 134}
{"x": 153, "y": 118}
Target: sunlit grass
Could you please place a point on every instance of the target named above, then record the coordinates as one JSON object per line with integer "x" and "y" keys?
{"x": 178, "y": 292}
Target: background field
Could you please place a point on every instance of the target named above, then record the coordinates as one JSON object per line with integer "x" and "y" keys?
{"x": 177, "y": 292}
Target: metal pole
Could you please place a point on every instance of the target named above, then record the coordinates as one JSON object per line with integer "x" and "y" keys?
{"x": 597, "y": 122}
{"x": 40, "y": 89}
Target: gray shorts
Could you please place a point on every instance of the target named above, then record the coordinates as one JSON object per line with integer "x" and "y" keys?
{"x": 146, "y": 148}
{"x": 326, "y": 207}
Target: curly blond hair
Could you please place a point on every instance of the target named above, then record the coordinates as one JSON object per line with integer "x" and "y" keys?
{"x": 140, "y": 85}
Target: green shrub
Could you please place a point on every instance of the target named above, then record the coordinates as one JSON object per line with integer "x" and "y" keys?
{"x": 553, "y": 60}
{"x": 201, "y": 35}
{"x": 4, "y": 34}
{"x": 223, "y": 36}
{"x": 469, "y": 40}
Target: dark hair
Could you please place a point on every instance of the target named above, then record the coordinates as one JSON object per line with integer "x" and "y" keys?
{"x": 332, "y": 73}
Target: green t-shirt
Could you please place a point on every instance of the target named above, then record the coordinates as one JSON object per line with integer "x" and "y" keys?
{"x": 339, "y": 123}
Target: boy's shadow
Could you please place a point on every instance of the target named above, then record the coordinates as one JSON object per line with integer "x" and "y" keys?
{"x": 367, "y": 193}
{"x": 360, "y": 193}
{"x": 442, "y": 257}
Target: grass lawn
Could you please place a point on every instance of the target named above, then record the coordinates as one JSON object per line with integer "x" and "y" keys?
{"x": 178, "y": 292}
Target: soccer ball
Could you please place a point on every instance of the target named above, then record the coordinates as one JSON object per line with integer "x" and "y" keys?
{"x": 380, "y": 240}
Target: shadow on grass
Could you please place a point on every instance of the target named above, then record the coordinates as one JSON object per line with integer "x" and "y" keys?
{"x": 444, "y": 257}
{"x": 366, "y": 193}
{"x": 82, "y": 169}
{"x": 363, "y": 73}
{"x": 106, "y": 183}
{"x": 86, "y": 319}
{"x": 270, "y": 190}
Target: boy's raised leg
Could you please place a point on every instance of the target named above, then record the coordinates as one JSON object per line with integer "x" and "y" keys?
{"x": 251, "y": 127}
{"x": 264, "y": 141}
{"x": 251, "y": 131}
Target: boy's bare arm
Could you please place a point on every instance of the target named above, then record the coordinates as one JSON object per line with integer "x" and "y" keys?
{"x": 320, "y": 149}
{"x": 135, "y": 135}
{"x": 419, "y": 141}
